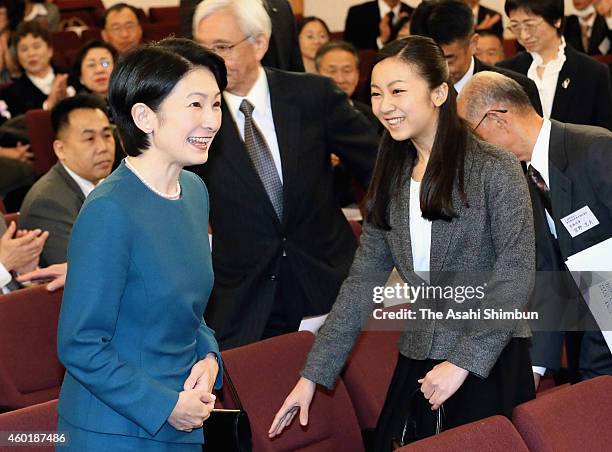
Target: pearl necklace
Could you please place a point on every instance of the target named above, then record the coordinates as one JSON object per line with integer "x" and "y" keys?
{"x": 171, "y": 197}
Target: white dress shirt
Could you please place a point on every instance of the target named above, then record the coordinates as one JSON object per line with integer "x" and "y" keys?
{"x": 384, "y": 10}
{"x": 420, "y": 233}
{"x": 547, "y": 85}
{"x": 85, "y": 185}
{"x": 539, "y": 160}
{"x": 466, "y": 77}
{"x": 5, "y": 278}
{"x": 43, "y": 83}
{"x": 259, "y": 96}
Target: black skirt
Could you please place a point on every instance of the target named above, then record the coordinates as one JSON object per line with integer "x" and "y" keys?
{"x": 509, "y": 383}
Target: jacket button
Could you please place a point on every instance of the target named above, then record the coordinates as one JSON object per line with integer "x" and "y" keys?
{"x": 273, "y": 278}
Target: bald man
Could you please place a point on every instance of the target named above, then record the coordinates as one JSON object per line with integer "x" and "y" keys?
{"x": 569, "y": 169}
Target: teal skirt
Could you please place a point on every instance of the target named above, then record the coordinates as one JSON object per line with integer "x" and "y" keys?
{"x": 84, "y": 440}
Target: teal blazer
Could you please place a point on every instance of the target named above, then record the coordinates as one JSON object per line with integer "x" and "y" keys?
{"x": 131, "y": 324}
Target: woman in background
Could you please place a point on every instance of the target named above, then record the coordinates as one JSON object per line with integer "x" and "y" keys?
{"x": 140, "y": 361}
{"x": 443, "y": 208}
{"x": 312, "y": 34}
{"x": 93, "y": 65}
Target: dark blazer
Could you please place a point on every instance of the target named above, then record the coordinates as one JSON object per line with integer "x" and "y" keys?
{"x": 498, "y": 28}
{"x": 248, "y": 239}
{"x": 361, "y": 28}
{"x": 22, "y": 95}
{"x": 492, "y": 236}
{"x": 580, "y": 164}
{"x": 526, "y": 83}
{"x": 284, "y": 48}
{"x": 587, "y": 95}
{"x": 52, "y": 204}
{"x": 600, "y": 31}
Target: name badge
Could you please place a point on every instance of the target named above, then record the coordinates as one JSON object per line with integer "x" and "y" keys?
{"x": 580, "y": 221}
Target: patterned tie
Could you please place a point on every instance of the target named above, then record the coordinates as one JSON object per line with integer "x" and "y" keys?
{"x": 262, "y": 159}
{"x": 543, "y": 189}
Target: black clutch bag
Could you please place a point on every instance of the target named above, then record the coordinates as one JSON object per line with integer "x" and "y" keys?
{"x": 411, "y": 428}
{"x": 228, "y": 430}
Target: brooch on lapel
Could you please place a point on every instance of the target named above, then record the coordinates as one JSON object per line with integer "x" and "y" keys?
{"x": 565, "y": 83}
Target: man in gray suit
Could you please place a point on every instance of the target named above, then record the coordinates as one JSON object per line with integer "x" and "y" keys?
{"x": 85, "y": 148}
{"x": 19, "y": 252}
{"x": 569, "y": 169}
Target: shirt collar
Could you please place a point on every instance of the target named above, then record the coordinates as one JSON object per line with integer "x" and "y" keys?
{"x": 85, "y": 185}
{"x": 385, "y": 9}
{"x": 555, "y": 64}
{"x": 539, "y": 157}
{"x": 43, "y": 83}
{"x": 466, "y": 77}
{"x": 259, "y": 95}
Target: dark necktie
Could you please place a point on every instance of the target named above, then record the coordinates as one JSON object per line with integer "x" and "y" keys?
{"x": 543, "y": 189}
{"x": 262, "y": 159}
{"x": 391, "y": 16}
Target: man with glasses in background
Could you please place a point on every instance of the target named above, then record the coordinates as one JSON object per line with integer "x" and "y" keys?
{"x": 281, "y": 245}
{"x": 122, "y": 28}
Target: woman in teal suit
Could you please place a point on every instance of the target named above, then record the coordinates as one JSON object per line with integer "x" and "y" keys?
{"x": 140, "y": 361}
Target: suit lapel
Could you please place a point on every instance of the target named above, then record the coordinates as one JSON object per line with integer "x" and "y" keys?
{"x": 59, "y": 168}
{"x": 566, "y": 85}
{"x": 560, "y": 185}
{"x": 286, "y": 124}
{"x": 598, "y": 34}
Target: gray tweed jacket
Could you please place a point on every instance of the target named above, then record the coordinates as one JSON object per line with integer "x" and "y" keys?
{"x": 493, "y": 235}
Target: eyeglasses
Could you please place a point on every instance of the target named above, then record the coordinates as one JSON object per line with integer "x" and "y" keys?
{"x": 516, "y": 27}
{"x": 104, "y": 62}
{"x": 128, "y": 26}
{"x": 225, "y": 50}
{"x": 487, "y": 113}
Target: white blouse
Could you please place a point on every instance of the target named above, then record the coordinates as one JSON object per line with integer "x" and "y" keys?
{"x": 420, "y": 233}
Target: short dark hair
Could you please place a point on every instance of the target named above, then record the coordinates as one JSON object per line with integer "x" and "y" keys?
{"x": 306, "y": 20}
{"x": 550, "y": 10}
{"x": 61, "y": 110}
{"x": 489, "y": 32}
{"x": 118, "y": 7}
{"x": 157, "y": 68}
{"x": 14, "y": 12}
{"x": 336, "y": 44}
{"x": 33, "y": 28}
{"x": 444, "y": 21}
{"x": 75, "y": 72}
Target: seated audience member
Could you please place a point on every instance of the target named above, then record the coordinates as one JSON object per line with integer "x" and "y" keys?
{"x": 16, "y": 170}
{"x": 44, "y": 12}
{"x": 19, "y": 252}
{"x": 122, "y": 28}
{"x": 370, "y": 25}
{"x": 11, "y": 13}
{"x": 284, "y": 49}
{"x": 486, "y": 18}
{"x": 587, "y": 31}
{"x": 277, "y": 267}
{"x": 489, "y": 47}
{"x": 451, "y": 24}
{"x": 312, "y": 34}
{"x": 573, "y": 87}
{"x": 92, "y": 68}
{"x": 85, "y": 147}
{"x": 39, "y": 86}
{"x": 569, "y": 169}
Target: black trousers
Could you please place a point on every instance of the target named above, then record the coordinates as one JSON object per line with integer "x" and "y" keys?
{"x": 509, "y": 383}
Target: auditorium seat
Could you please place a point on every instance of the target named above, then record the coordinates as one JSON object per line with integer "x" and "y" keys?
{"x": 40, "y": 131}
{"x": 41, "y": 417}
{"x": 164, "y": 14}
{"x": 91, "y": 33}
{"x": 63, "y": 41}
{"x": 492, "y": 434}
{"x": 356, "y": 227}
{"x": 30, "y": 371}
{"x": 158, "y": 31}
{"x": 264, "y": 373}
{"x": 570, "y": 419}
{"x": 8, "y": 217}
{"x": 510, "y": 47}
{"x": 368, "y": 373}
{"x": 85, "y": 11}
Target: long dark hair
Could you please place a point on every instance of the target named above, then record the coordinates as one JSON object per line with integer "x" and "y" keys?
{"x": 446, "y": 162}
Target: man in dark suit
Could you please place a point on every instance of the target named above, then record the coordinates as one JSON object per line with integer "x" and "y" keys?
{"x": 281, "y": 246}
{"x": 85, "y": 148}
{"x": 451, "y": 24}
{"x": 369, "y": 25}
{"x": 284, "y": 48}
{"x": 486, "y": 18}
{"x": 587, "y": 31}
{"x": 569, "y": 169}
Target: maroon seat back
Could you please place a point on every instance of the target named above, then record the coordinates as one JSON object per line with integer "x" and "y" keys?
{"x": 493, "y": 434}
{"x": 158, "y": 31}
{"x": 368, "y": 373}
{"x": 570, "y": 419}
{"x": 91, "y": 33}
{"x": 65, "y": 41}
{"x": 265, "y": 372}
{"x": 30, "y": 372}
{"x": 165, "y": 14}
{"x": 41, "y": 417}
{"x": 40, "y": 131}
{"x": 8, "y": 217}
